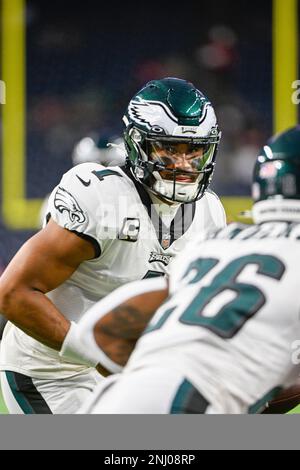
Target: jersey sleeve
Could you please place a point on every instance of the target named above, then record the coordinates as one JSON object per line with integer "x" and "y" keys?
{"x": 75, "y": 204}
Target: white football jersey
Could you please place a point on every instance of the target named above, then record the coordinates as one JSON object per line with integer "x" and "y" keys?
{"x": 231, "y": 325}
{"x": 109, "y": 208}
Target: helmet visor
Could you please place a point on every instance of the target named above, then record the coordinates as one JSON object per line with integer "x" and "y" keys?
{"x": 187, "y": 158}
{"x": 181, "y": 155}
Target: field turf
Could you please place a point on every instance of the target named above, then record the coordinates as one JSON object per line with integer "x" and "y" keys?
{"x": 3, "y": 410}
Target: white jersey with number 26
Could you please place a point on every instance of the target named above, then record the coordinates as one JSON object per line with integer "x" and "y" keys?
{"x": 231, "y": 325}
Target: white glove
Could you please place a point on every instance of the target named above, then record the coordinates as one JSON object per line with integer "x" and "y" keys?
{"x": 73, "y": 350}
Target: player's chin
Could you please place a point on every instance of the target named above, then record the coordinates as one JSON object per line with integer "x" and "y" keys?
{"x": 285, "y": 401}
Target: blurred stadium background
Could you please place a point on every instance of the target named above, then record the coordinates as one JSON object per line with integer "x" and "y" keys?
{"x": 70, "y": 69}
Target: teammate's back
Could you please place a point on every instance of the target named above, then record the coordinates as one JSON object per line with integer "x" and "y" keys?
{"x": 225, "y": 313}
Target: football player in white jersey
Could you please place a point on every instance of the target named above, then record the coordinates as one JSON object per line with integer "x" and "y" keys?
{"x": 226, "y": 335}
{"x": 106, "y": 227}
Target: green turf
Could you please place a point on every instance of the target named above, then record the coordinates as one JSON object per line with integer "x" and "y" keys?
{"x": 295, "y": 410}
{"x": 3, "y": 409}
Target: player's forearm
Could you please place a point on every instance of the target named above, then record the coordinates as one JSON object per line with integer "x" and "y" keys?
{"x": 118, "y": 350}
{"x": 118, "y": 331}
{"x": 124, "y": 322}
{"x": 113, "y": 337}
{"x": 128, "y": 320}
{"x": 32, "y": 312}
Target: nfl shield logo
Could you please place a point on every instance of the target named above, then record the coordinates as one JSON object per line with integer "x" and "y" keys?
{"x": 165, "y": 243}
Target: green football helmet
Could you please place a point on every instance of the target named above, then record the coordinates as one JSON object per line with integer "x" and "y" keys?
{"x": 276, "y": 179}
{"x": 171, "y": 137}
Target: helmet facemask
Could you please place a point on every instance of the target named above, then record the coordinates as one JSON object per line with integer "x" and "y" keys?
{"x": 177, "y": 169}
{"x": 172, "y": 138}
